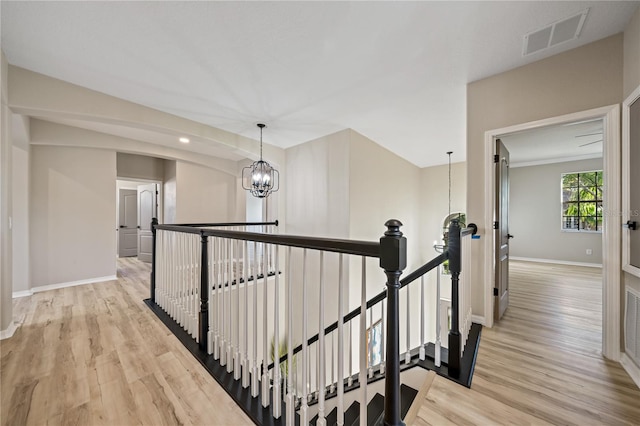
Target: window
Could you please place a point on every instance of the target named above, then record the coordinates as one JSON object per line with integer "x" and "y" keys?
{"x": 582, "y": 201}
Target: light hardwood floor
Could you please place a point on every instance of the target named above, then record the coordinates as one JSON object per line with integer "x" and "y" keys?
{"x": 542, "y": 363}
{"x": 95, "y": 354}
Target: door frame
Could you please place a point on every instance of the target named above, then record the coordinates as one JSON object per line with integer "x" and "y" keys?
{"x": 626, "y": 181}
{"x": 140, "y": 182}
{"x": 611, "y": 232}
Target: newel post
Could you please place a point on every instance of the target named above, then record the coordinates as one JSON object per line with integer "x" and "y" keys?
{"x": 454, "y": 249}
{"x": 154, "y": 223}
{"x": 203, "y": 318}
{"x": 393, "y": 259}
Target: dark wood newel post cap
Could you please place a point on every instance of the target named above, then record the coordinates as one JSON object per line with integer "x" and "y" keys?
{"x": 393, "y": 247}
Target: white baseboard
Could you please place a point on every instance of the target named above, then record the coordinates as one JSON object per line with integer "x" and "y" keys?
{"x": 631, "y": 368}
{"x": 5, "y": 334}
{"x": 23, "y": 293}
{"x": 63, "y": 285}
{"x": 556, "y": 262}
{"x": 478, "y": 319}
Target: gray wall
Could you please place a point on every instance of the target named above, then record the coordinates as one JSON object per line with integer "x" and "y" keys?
{"x": 72, "y": 214}
{"x": 203, "y": 194}
{"x": 134, "y": 166}
{"x": 21, "y": 279}
{"x": 534, "y": 215}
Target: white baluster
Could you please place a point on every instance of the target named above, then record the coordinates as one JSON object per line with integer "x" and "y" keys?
{"x": 333, "y": 365}
{"x": 341, "y": 285}
{"x": 290, "y": 394}
{"x": 172, "y": 305}
{"x": 350, "y": 370}
{"x": 363, "y": 343}
{"x": 382, "y": 334}
{"x": 265, "y": 329}
{"x": 195, "y": 288}
{"x": 230, "y": 276}
{"x": 277, "y": 401}
{"x": 407, "y": 356}
{"x": 438, "y": 325}
{"x": 237, "y": 369}
{"x": 245, "y": 353}
{"x": 304, "y": 418}
{"x": 255, "y": 379}
{"x": 321, "y": 349}
{"x": 179, "y": 263}
{"x": 216, "y": 286}
{"x": 223, "y": 311}
{"x": 212, "y": 302}
{"x": 183, "y": 280}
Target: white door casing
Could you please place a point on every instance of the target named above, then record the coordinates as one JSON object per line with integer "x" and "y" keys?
{"x": 630, "y": 209}
{"x": 611, "y": 233}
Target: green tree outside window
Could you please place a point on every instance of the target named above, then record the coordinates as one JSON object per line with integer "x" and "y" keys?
{"x": 582, "y": 201}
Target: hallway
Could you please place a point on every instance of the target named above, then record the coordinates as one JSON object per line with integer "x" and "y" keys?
{"x": 541, "y": 364}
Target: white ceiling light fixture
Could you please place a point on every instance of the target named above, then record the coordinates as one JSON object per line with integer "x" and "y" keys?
{"x": 554, "y": 34}
{"x": 184, "y": 140}
{"x": 260, "y": 178}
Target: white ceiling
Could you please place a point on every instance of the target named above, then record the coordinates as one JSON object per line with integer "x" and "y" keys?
{"x": 394, "y": 71}
{"x": 553, "y": 144}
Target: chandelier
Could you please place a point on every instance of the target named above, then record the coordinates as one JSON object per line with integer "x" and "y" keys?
{"x": 260, "y": 178}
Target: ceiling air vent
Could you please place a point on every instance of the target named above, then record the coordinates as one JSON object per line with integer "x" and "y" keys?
{"x": 554, "y": 34}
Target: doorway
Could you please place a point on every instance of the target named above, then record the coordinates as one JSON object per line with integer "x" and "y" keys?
{"x": 137, "y": 201}
{"x": 610, "y": 220}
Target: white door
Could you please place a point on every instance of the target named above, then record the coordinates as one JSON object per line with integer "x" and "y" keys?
{"x": 147, "y": 209}
{"x": 128, "y": 221}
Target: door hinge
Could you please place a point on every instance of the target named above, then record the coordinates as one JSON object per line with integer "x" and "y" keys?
{"x": 496, "y": 225}
{"x": 496, "y": 158}
{"x": 495, "y": 291}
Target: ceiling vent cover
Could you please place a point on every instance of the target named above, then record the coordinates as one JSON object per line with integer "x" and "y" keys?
{"x": 554, "y": 34}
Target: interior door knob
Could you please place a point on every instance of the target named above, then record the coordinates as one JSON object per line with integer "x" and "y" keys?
{"x": 509, "y": 236}
{"x": 122, "y": 226}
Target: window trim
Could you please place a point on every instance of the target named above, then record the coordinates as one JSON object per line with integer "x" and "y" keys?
{"x": 601, "y": 201}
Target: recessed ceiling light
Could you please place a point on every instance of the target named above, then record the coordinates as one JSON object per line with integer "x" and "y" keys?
{"x": 184, "y": 140}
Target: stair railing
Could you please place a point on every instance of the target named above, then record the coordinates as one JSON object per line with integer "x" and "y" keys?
{"x": 459, "y": 256}
{"x": 225, "y": 286}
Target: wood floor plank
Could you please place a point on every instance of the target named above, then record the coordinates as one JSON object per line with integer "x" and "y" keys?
{"x": 95, "y": 355}
{"x": 542, "y": 363}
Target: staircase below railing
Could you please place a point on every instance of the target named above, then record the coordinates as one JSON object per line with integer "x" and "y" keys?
{"x": 223, "y": 292}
